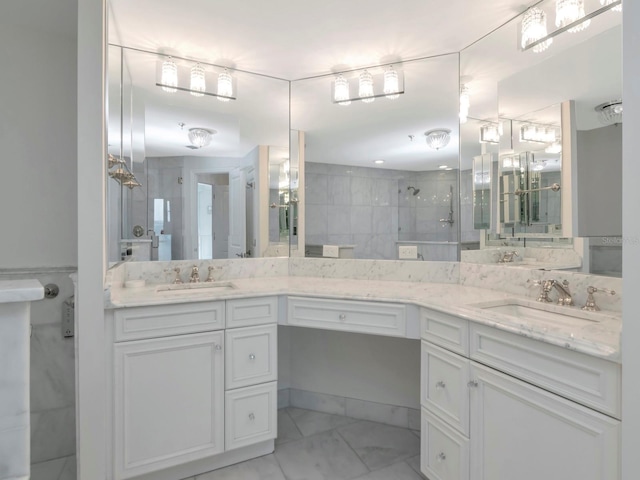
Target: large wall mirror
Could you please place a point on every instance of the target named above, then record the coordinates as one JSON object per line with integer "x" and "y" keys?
{"x": 192, "y": 167}
{"x": 541, "y": 152}
{"x": 374, "y": 182}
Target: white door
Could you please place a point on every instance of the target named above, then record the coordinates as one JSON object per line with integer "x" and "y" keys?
{"x": 522, "y": 432}
{"x": 168, "y": 402}
{"x": 220, "y": 221}
{"x": 237, "y": 213}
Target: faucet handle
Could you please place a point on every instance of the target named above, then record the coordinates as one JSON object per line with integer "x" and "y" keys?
{"x": 177, "y": 280}
{"x": 590, "y": 305}
{"x": 210, "y": 276}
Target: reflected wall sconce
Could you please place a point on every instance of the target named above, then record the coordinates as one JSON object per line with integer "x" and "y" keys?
{"x": 610, "y": 112}
{"x": 368, "y": 89}
{"x": 570, "y": 11}
{"x": 490, "y": 133}
{"x": 438, "y": 138}
{"x": 534, "y": 27}
{"x": 200, "y": 137}
{"x": 196, "y": 77}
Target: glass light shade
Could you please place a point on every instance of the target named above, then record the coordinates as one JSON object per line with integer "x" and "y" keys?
{"x": 534, "y": 27}
{"x": 489, "y": 134}
{"x": 169, "y": 76}
{"x": 341, "y": 91}
{"x": 555, "y": 147}
{"x": 465, "y": 103}
{"x": 197, "y": 80}
{"x": 365, "y": 91}
{"x": 200, "y": 137}
{"x": 538, "y": 166}
{"x": 511, "y": 162}
{"x": 568, "y": 11}
{"x": 617, "y": 8}
{"x": 438, "y": 139}
{"x": 391, "y": 84}
{"x": 225, "y": 86}
{"x": 610, "y": 112}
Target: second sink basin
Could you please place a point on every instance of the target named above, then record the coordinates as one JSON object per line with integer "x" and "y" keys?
{"x": 192, "y": 288}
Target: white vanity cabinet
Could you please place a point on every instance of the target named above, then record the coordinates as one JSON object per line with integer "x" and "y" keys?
{"x": 499, "y": 406}
{"x": 192, "y": 382}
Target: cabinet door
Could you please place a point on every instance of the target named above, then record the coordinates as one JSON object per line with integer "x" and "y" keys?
{"x": 522, "y": 432}
{"x": 169, "y": 402}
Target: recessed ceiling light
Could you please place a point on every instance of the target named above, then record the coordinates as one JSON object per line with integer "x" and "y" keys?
{"x": 442, "y": 167}
{"x": 378, "y": 161}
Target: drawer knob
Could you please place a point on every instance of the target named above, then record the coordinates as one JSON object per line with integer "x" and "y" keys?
{"x": 472, "y": 384}
{"x": 342, "y": 316}
{"x": 441, "y": 457}
{"x": 218, "y": 346}
{"x": 252, "y": 417}
{"x": 252, "y": 356}
{"x": 440, "y": 385}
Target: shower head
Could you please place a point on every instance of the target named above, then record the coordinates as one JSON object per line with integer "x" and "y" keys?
{"x": 415, "y": 190}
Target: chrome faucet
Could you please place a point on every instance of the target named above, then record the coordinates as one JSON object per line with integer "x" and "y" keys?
{"x": 507, "y": 257}
{"x": 195, "y": 276}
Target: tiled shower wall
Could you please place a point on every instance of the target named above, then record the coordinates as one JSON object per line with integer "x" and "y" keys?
{"x": 53, "y": 434}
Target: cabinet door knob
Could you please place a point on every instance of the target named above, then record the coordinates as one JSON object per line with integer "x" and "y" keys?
{"x": 342, "y": 316}
{"x": 252, "y": 356}
{"x": 441, "y": 457}
{"x": 218, "y": 346}
{"x": 252, "y": 417}
{"x": 472, "y": 383}
{"x": 440, "y": 385}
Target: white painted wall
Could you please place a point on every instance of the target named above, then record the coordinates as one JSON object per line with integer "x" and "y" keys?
{"x": 38, "y": 138}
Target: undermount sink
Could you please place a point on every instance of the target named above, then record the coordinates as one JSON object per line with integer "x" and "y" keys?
{"x": 531, "y": 311}
{"x": 191, "y": 288}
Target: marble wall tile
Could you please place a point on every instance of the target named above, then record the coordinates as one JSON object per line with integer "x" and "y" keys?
{"x": 339, "y": 190}
{"x": 53, "y": 434}
{"x": 385, "y": 192}
{"x": 315, "y": 167}
{"x": 310, "y": 422}
{"x": 284, "y": 394}
{"x": 377, "y": 412}
{"x": 361, "y": 191}
{"x": 361, "y": 220}
{"x": 382, "y": 221}
{"x": 320, "y": 402}
{"x": 316, "y": 187}
{"x": 339, "y": 220}
{"x": 414, "y": 419}
{"x": 320, "y": 216}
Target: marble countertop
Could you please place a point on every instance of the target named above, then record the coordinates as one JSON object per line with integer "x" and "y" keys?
{"x": 600, "y": 338}
{"x": 20, "y": 291}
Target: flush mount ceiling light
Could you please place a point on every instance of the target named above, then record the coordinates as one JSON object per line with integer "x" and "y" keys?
{"x": 569, "y": 11}
{"x": 438, "y": 138}
{"x": 617, "y": 8}
{"x": 465, "y": 102}
{"x": 169, "y": 78}
{"x": 534, "y": 27}
{"x": 225, "y": 86}
{"x": 610, "y": 112}
{"x": 197, "y": 85}
{"x": 341, "y": 91}
{"x": 365, "y": 90}
{"x": 200, "y": 137}
{"x": 391, "y": 84}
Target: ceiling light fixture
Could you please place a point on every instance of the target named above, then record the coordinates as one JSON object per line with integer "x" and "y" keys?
{"x": 378, "y": 162}
{"x": 569, "y": 11}
{"x": 465, "y": 102}
{"x": 537, "y": 134}
{"x": 490, "y": 133}
{"x": 610, "y": 112}
{"x": 169, "y": 78}
{"x": 200, "y": 137}
{"x": 341, "y": 91}
{"x": 197, "y": 85}
{"x": 443, "y": 167}
{"x": 225, "y": 86}
{"x": 555, "y": 147}
{"x": 617, "y": 8}
{"x": 391, "y": 84}
{"x": 534, "y": 27}
{"x": 365, "y": 90}
{"x": 438, "y": 138}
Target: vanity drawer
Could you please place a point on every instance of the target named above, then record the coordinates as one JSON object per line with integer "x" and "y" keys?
{"x": 168, "y": 320}
{"x": 443, "y": 385}
{"x": 348, "y": 315}
{"x": 251, "y": 356}
{"x": 448, "y": 331}
{"x": 244, "y": 312}
{"x": 444, "y": 452}
{"x": 251, "y": 415}
{"x": 590, "y": 381}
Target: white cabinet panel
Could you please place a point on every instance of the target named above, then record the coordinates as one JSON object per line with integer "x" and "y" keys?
{"x": 522, "y": 432}
{"x": 168, "y": 404}
{"x": 251, "y": 356}
{"x": 244, "y": 312}
{"x": 444, "y": 452}
{"x": 443, "y": 385}
{"x": 251, "y": 415}
{"x": 448, "y": 331}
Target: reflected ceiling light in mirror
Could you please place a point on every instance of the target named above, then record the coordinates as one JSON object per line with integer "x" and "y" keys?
{"x": 438, "y": 138}
{"x": 534, "y": 27}
{"x": 610, "y": 112}
{"x": 538, "y": 165}
{"x": 341, "y": 91}
{"x": 555, "y": 147}
{"x": 490, "y": 133}
{"x": 617, "y": 8}
{"x": 537, "y": 134}
{"x": 169, "y": 76}
{"x": 378, "y": 162}
{"x": 465, "y": 102}
{"x": 200, "y": 137}
{"x": 511, "y": 162}
{"x": 365, "y": 90}
{"x": 391, "y": 84}
{"x": 197, "y": 85}
{"x": 225, "y": 86}
{"x": 569, "y": 11}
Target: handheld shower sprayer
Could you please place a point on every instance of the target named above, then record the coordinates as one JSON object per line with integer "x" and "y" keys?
{"x": 416, "y": 191}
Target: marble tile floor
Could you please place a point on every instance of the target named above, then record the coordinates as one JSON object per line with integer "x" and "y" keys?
{"x": 320, "y": 446}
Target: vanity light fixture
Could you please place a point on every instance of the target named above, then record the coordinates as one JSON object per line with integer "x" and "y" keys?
{"x": 534, "y": 27}
{"x": 511, "y": 162}
{"x": 225, "y": 86}
{"x": 169, "y": 76}
{"x": 197, "y": 85}
{"x": 341, "y": 90}
{"x": 490, "y": 133}
{"x": 610, "y": 112}
{"x": 569, "y": 11}
{"x": 555, "y": 147}
{"x": 391, "y": 84}
{"x": 617, "y": 8}
{"x": 537, "y": 134}
{"x": 200, "y": 137}
{"x": 438, "y": 138}
{"x": 365, "y": 90}
{"x": 465, "y": 102}
{"x": 538, "y": 165}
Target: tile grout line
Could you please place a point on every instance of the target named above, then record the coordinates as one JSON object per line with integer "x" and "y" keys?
{"x": 295, "y": 424}
{"x": 353, "y": 450}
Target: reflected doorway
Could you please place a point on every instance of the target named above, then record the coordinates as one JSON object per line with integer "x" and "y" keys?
{"x": 212, "y": 212}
